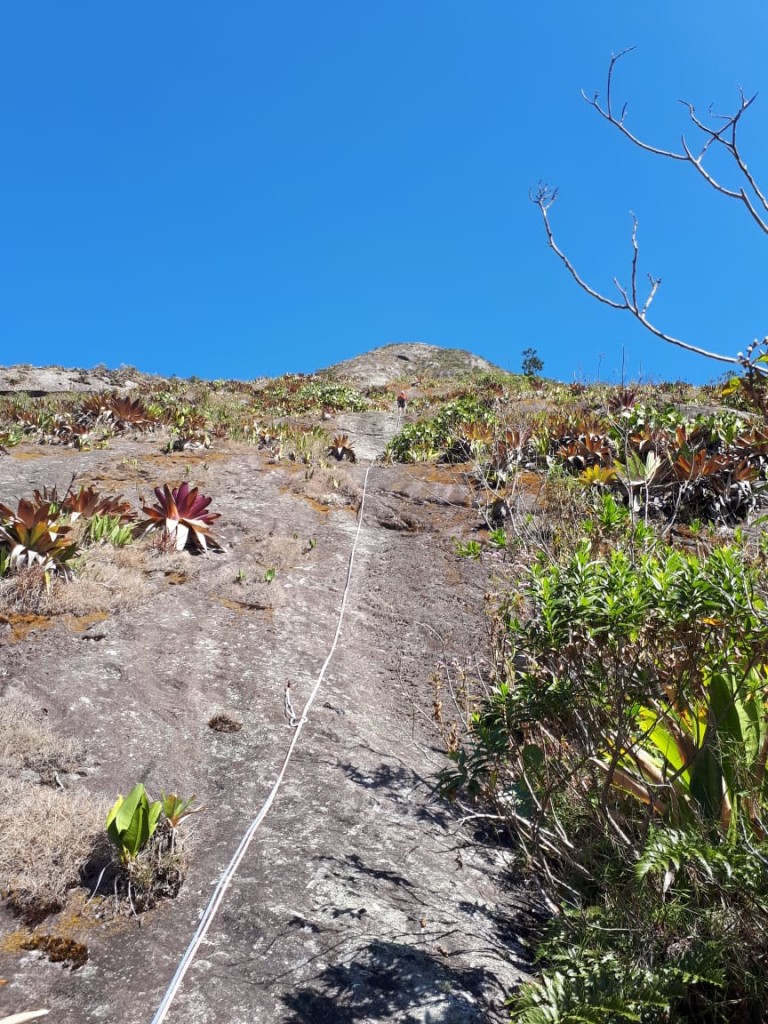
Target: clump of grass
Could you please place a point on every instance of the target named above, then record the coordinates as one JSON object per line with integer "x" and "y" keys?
{"x": 28, "y": 743}
{"x": 156, "y": 873}
{"x": 46, "y": 836}
{"x": 26, "y": 592}
{"x": 47, "y": 832}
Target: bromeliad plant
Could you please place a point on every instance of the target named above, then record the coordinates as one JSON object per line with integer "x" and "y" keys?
{"x": 34, "y": 535}
{"x": 88, "y": 502}
{"x": 181, "y": 513}
{"x": 189, "y": 429}
{"x": 9, "y": 438}
{"x": 341, "y": 448}
{"x": 703, "y": 759}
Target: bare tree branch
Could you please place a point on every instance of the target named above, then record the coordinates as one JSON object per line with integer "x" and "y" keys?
{"x": 724, "y": 136}
{"x": 544, "y": 197}
{"x": 722, "y": 131}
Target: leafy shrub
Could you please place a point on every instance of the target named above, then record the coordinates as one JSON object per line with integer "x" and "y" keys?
{"x": 442, "y": 434}
{"x": 330, "y": 395}
{"x": 625, "y": 746}
{"x": 297, "y": 393}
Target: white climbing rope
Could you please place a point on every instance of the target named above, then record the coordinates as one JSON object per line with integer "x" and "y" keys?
{"x": 298, "y": 723}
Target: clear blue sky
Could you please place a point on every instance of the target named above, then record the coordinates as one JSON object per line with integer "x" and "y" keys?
{"x": 248, "y": 188}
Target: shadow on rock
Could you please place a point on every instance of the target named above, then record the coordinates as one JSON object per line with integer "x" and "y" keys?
{"x": 388, "y": 981}
{"x": 400, "y": 783}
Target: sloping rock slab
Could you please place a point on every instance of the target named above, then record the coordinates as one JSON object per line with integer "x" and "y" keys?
{"x": 360, "y": 898}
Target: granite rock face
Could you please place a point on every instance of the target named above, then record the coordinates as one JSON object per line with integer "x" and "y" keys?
{"x": 362, "y": 897}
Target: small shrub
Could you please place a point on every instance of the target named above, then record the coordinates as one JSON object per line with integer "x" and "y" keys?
{"x": 144, "y": 834}
{"x": 468, "y": 549}
{"x": 532, "y": 364}
{"x": 625, "y": 746}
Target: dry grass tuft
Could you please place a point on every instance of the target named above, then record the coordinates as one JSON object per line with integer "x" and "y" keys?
{"x": 46, "y": 836}
{"x": 109, "y": 580}
{"x": 335, "y": 486}
{"x": 280, "y": 551}
{"x": 27, "y": 592}
{"x": 46, "y": 832}
{"x": 28, "y": 743}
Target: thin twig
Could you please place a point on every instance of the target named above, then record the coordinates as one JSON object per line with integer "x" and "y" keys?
{"x": 544, "y": 197}
{"x": 725, "y": 136}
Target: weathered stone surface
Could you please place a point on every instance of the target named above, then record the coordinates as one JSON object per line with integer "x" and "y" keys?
{"x": 408, "y": 361}
{"x": 361, "y": 898}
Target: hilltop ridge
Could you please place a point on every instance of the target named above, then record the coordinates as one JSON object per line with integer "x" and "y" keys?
{"x": 414, "y": 359}
{"x": 375, "y": 367}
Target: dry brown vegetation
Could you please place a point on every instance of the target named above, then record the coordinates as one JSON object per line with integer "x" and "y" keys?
{"x": 48, "y": 820}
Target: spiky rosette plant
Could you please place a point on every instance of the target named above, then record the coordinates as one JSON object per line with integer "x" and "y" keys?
{"x": 342, "y": 449}
{"x": 34, "y": 536}
{"x": 181, "y": 513}
{"x": 9, "y": 438}
{"x": 129, "y": 412}
{"x": 46, "y": 501}
{"x": 89, "y": 502}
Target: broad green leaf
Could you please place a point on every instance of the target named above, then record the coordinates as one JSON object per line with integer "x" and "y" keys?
{"x": 667, "y": 736}
{"x": 137, "y": 833}
{"x": 132, "y": 820}
{"x": 155, "y": 810}
{"x": 707, "y": 782}
{"x": 127, "y": 807}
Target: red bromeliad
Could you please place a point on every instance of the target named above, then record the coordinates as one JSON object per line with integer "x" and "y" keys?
{"x": 181, "y": 512}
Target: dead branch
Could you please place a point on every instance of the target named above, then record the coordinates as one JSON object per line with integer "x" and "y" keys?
{"x": 723, "y": 135}
{"x": 629, "y": 301}
{"x": 722, "y": 131}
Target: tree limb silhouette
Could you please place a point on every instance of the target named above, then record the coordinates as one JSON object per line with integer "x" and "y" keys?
{"x": 753, "y": 360}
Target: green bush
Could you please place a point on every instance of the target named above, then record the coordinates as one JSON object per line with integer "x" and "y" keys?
{"x": 624, "y": 746}
{"x": 441, "y": 434}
